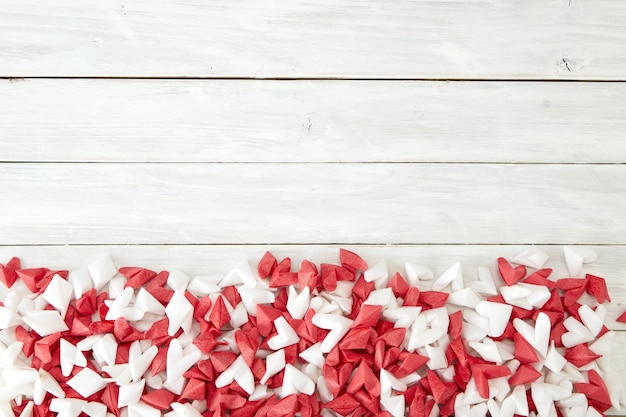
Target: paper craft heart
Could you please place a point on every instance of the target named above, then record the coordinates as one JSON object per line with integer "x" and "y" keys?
{"x": 509, "y": 274}
{"x": 498, "y": 315}
{"x": 539, "y": 335}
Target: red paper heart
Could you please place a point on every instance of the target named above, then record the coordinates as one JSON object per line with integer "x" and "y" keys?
{"x": 509, "y": 274}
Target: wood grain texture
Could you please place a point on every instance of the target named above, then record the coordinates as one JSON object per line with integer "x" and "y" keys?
{"x": 218, "y": 260}
{"x": 427, "y": 171}
{"x": 538, "y": 39}
{"x": 312, "y": 203}
{"x": 320, "y": 121}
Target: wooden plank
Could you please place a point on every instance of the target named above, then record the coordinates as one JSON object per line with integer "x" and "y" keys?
{"x": 322, "y": 121}
{"x": 217, "y": 260}
{"x": 312, "y": 203}
{"x": 539, "y": 39}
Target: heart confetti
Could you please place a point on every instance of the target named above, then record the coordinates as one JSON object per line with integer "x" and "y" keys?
{"x": 351, "y": 339}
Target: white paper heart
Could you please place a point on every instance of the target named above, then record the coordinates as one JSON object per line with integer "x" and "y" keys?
{"x": 274, "y": 363}
{"x": 416, "y": 273}
{"x": 338, "y": 326}
{"x": 497, "y": 314}
{"x": 487, "y": 350}
{"x": 379, "y": 274}
{"x": 295, "y": 382}
{"x": 575, "y": 257}
{"x": 70, "y": 356}
{"x": 130, "y": 393}
{"x": 532, "y": 257}
{"x": 87, "y": 382}
{"x": 179, "y": 360}
{"x": 485, "y": 284}
{"x": 298, "y": 304}
{"x": 59, "y": 293}
{"x": 313, "y": 354}
{"x": 102, "y": 270}
{"x": 577, "y": 333}
{"x": 286, "y": 335}
{"x": 539, "y": 335}
{"x": 238, "y": 371}
{"x": 402, "y": 316}
{"x": 453, "y": 276}
{"x": 466, "y": 297}
{"x": 593, "y": 320}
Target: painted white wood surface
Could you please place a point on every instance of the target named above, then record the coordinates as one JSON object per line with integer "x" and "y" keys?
{"x": 536, "y": 39}
{"x": 420, "y": 162}
{"x": 312, "y": 203}
{"x": 311, "y": 121}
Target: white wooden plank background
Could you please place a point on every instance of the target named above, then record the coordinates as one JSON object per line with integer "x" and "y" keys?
{"x": 536, "y": 39}
{"x": 311, "y": 121}
{"x": 312, "y": 203}
{"x": 200, "y": 173}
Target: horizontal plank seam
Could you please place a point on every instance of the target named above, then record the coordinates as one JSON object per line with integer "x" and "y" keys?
{"x": 16, "y": 78}
{"x": 139, "y": 162}
{"x": 398, "y": 244}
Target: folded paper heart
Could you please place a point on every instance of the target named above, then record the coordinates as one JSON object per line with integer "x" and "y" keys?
{"x": 554, "y": 361}
{"x": 466, "y": 297}
{"x": 45, "y": 322}
{"x": 274, "y": 363}
{"x": 102, "y": 271}
{"x": 402, "y": 316}
{"x": 497, "y": 314}
{"x": 379, "y": 274}
{"x": 179, "y": 312}
{"x": 531, "y": 257}
{"x": 87, "y": 382}
{"x": 238, "y": 371}
{"x": 577, "y": 333}
{"x": 509, "y": 274}
{"x": 179, "y": 360}
{"x": 338, "y": 326}
{"x": 485, "y": 284}
{"x": 416, "y": 273}
{"x": 295, "y": 381}
{"x": 452, "y": 276}
{"x": 537, "y": 336}
{"x": 58, "y": 294}
{"x": 298, "y": 304}
{"x": 575, "y": 257}
{"x": 545, "y": 395}
{"x": 70, "y": 356}
{"x": 285, "y": 336}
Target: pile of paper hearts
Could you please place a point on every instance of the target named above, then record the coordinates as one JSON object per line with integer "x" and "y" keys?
{"x": 347, "y": 339}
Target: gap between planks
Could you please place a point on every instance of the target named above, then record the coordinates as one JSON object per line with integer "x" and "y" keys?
{"x": 309, "y": 244}
{"x": 18, "y": 78}
{"x": 305, "y": 163}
